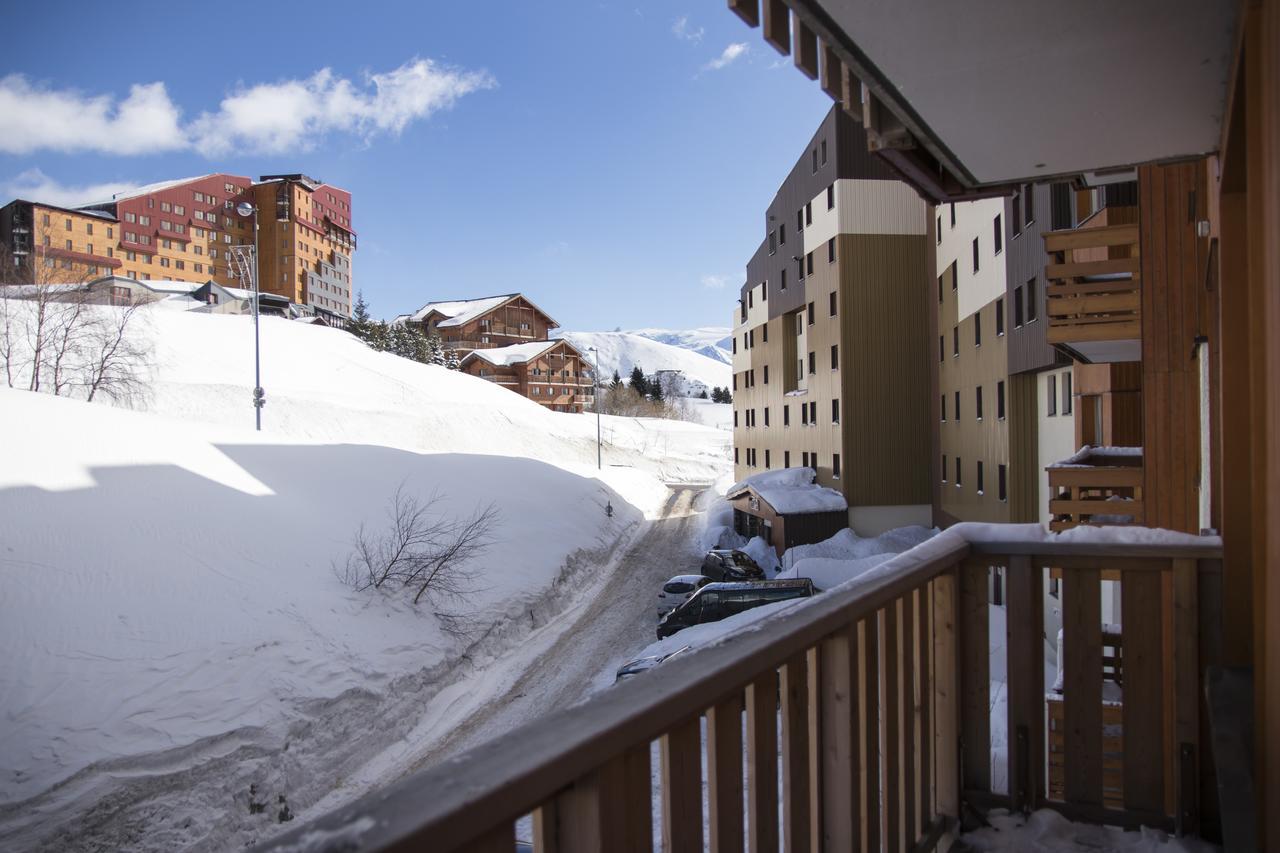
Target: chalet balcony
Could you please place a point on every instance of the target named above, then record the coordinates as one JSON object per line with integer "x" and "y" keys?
{"x": 861, "y": 720}
{"x": 1099, "y": 486}
{"x": 1093, "y": 297}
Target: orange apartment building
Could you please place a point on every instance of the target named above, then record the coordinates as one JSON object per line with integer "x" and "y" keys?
{"x": 552, "y": 373}
{"x": 51, "y": 244}
{"x": 486, "y": 323}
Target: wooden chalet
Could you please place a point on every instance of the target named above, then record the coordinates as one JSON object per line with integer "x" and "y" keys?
{"x": 552, "y": 373}
{"x": 487, "y": 323}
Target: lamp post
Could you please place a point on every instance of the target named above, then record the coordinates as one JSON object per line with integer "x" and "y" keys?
{"x": 246, "y": 208}
{"x": 595, "y": 384}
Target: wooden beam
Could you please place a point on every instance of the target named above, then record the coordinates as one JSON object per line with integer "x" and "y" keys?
{"x": 747, "y": 10}
{"x": 841, "y": 795}
{"x": 975, "y": 678}
{"x": 1025, "y": 663}
{"x": 1082, "y": 690}
{"x": 1144, "y": 739}
{"x": 724, "y": 774}
{"x": 1186, "y": 695}
{"x": 777, "y": 31}
{"x": 891, "y": 725}
{"x": 946, "y": 698}
{"x": 832, "y": 73}
{"x": 762, "y": 763}
{"x": 804, "y": 47}
{"x": 682, "y": 787}
{"x": 869, "y": 704}
{"x": 795, "y": 754}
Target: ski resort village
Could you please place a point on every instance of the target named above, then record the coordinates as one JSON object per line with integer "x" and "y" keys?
{"x": 767, "y": 425}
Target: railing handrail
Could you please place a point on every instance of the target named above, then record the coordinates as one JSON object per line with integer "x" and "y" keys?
{"x": 459, "y": 800}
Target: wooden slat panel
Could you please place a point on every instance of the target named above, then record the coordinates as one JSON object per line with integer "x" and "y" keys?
{"x": 776, "y": 26}
{"x": 1025, "y": 654}
{"x": 1111, "y": 266}
{"x": 501, "y": 839}
{"x": 813, "y": 680}
{"x": 841, "y": 734}
{"x": 682, "y": 787}
{"x": 546, "y": 830}
{"x": 747, "y": 10}
{"x": 724, "y": 774}
{"x": 1186, "y": 694}
{"x": 795, "y": 754}
{"x": 975, "y": 678}
{"x": 1144, "y": 742}
{"x": 762, "y": 764}
{"x": 946, "y": 699}
{"x": 910, "y": 718}
{"x": 1082, "y": 688}
{"x": 607, "y": 809}
{"x": 1096, "y": 477}
{"x": 805, "y": 48}
{"x": 869, "y": 703}
{"x": 1093, "y": 332}
{"x": 1088, "y": 238}
{"x": 1100, "y": 507}
{"x": 925, "y": 686}
{"x": 1125, "y": 302}
{"x": 891, "y": 725}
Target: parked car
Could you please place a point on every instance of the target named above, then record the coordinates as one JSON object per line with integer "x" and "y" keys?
{"x": 677, "y": 591}
{"x": 723, "y": 564}
{"x": 639, "y": 665}
{"x": 715, "y": 601}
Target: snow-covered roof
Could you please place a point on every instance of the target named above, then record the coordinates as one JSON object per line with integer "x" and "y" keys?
{"x": 791, "y": 491}
{"x": 514, "y": 354}
{"x": 1090, "y": 457}
{"x": 461, "y": 311}
{"x": 148, "y": 189}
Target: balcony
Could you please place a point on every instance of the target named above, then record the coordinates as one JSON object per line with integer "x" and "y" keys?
{"x": 1093, "y": 298}
{"x": 861, "y": 720}
{"x": 1099, "y": 486}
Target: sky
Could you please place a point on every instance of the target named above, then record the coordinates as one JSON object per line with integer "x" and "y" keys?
{"x": 612, "y": 161}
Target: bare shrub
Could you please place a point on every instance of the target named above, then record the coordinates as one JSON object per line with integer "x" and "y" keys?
{"x": 114, "y": 355}
{"x": 425, "y": 553}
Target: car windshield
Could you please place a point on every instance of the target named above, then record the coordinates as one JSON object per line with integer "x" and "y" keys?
{"x": 678, "y": 587}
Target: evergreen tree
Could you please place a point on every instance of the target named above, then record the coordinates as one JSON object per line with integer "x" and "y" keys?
{"x": 703, "y": 395}
{"x": 451, "y": 360}
{"x": 617, "y": 381}
{"x": 379, "y": 336}
{"x": 725, "y": 396}
{"x": 435, "y": 349}
{"x": 421, "y": 345}
{"x": 655, "y": 391}
{"x": 360, "y": 324}
{"x": 638, "y": 382}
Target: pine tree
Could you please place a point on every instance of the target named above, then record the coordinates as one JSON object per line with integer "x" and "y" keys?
{"x": 436, "y": 350}
{"x": 655, "y": 391}
{"x": 379, "y": 336}
{"x": 451, "y": 359}
{"x": 360, "y": 324}
{"x": 725, "y": 396}
{"x": 703, "y": 395}
{"x": 638, "y": 382}
{"x": 421, "y": 345}
{"x": 617, "y": 381}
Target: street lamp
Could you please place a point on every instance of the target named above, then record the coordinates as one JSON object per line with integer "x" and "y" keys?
{"x": 595, "y": 384}
{"x": 246, "y": 208}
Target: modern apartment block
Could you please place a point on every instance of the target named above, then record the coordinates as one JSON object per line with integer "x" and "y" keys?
{"x": 485, "y": 323}
{"x": 830, "y": 365}
{"x": 46, "y": 243}
{"x": 552, "y": 373}
{"x": 183, "y": 230}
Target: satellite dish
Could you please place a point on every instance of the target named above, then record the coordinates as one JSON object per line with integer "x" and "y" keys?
{"x": 244, "y": 209}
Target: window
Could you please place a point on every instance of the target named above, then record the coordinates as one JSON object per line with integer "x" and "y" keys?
{"x": 979, "y": 473}
{"x": 831, "y": 250}
{"x": 128, "y": 217}
{"x": 782, "y": 235}
{"x": 766, "y": 457}
{"x": 808, "y": 213}
{"x": 978, "y": 403}
{"x": 955, "y": 341}
{"x": 164, "y": 207}
{"x": 804, "y": 415}
{"x": 977, "y": 328}
{"x": 88, "y": 228}
{"x": 68, "y": 245}
{"x": 999, "y": 317}
{"x": 786, "y": 459}
{"x": 810, "y": 313}
{"x": 804, "y": 459}
{"x": 800, "y": 219}
{"x": 1002, "y": 482}
{"x": 940, "y": 278}
{"x": 68, "y": 225}
{"x": 835, "y": 466}
{"x": 89, "y": 248}
{"x": 773, "y": 244}
{"x": 942, "y": 406}
{"x": 784, "y": 279}
{"x": 808, "y": 264}
{"x": 942, "y": 347}
{"x": 953, "y": 215}
{"x": 786, "y": 419}
{"x": 959, "y": 472}
{"x": 764, "y": 332}
{"x": 44, "y": 218}
{"x": 955, "y": 279}
{"x": 975, "y": 254}
{"x": 735, "y": 418}
{"x": 179, "y": 209}
{"x": 144, "y": 220}
{"x": 944, "y": 467}
{"x": 831, "y": 196}
{"x": 735, "y": 456}
{"x": 766, "y": 374}
{"x": 1053, "y": 393}
{"x": 835, "y": 356}
{"x": 815, "y": 159}
{"x": 835, "y": 411}
{"x": 1029, "y": 203}
{"x": 823, "y": 149}
{"x": 1015, "y": 218}
{"x": 1066, "y": 393}
{"x": 813, "y": 362}
{"x": 1031, "y": 300}
{"x": 800, "y": 269}
{"x": 998, "y": 235}
{"x": 766, "y": 415}
{"x": 1017, "y": 307}
{"x": 164, "y": 262}
{"x": 939, "y": 234}
{"x": 1000, "y": 400}
{"x": 831, "y": 303}
{"x": 957, "y": 402}
{"x": 813, "y": 413}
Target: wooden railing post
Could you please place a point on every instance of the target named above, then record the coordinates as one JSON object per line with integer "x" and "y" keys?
{"x": 607, "y": 809}
{"x": 946, "y": 696}
{"x": 1025, "y": 661}
{"x": 891, "y": 726}
{"x": 1144, "y": 738}
{"x": 724, "y": 774}
{"x": 869, "y": 703}
{"x": 841, "y": 824}
{"x": 762, "y": 763}
{"x": 1186, "y": 695}
{"x": 795, "y": 754}
{"x": 975, "y": 677}
{"x": 682, "y": 787}
{"x": 1082, "y": 687}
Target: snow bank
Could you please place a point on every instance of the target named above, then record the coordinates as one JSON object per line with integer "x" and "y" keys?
{"x": 763, "y": 553}
{"x": 622, "y": 351}
{"x": 827, "y": 573}
{"x": 847, "y": 545}
{"x": 1047, "y": 831}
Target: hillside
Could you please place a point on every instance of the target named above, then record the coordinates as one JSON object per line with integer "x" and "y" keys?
{"x": 173, "y": 601}
{"x": 621, "y": 351}
{"x": 711, "y": 341}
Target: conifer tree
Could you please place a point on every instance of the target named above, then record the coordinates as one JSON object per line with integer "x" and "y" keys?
{"x": 655, "y": 391}
{"x": 451, "y": 360}
{"x": 617, "y": 381}
{"x": 435, "y": 349}
{"x": 639, "y": 383}
{"x": 360, "y": 324}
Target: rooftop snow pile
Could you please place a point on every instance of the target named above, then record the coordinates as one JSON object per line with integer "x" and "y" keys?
{"x": 791, "y": 491}
{"x": 1089, "y": 457}
{"x": 460, "y": 311}
{"x": 514, "y": 354}
{"x": 846, "y": 555}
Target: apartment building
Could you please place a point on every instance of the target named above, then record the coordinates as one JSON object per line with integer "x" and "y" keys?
{"x": 49, "y": 244}
{"x": 551, "y": 373}
{"x": 830, "y": 365}
{"x": 489, "y": 322}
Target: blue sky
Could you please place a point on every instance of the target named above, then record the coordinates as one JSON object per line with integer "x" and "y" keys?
{"x": 610, "y": 160}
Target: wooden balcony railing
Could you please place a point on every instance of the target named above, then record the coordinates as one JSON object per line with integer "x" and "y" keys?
{"x": 1094, "y": 285}
{"x": 859, "y": 720}
{"x": 1098, "y": 486}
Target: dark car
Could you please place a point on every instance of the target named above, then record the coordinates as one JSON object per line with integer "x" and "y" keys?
{"x": 639, "y": 665}
{"x": 716, "y": 601}
{"x": 723, "y": 564}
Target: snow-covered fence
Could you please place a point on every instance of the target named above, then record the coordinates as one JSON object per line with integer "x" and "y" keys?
{"x": 877, "y": 692}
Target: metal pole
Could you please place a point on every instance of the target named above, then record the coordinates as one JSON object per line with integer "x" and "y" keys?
{"x": 595, "y": 378}
{"x": 257, "y": 359}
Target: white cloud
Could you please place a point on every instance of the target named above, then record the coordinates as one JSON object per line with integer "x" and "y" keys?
{"x": 34, "y": 117}
{"x": 285, "y": 116}
{"x": 35, "y": 185}
{"x": 682, "y": 30}
{"x": 715, "y": 282}
{"x": 729, "y": 54}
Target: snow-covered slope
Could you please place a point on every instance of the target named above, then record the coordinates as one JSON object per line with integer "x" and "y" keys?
{"x": 711, "y": 341}
{"x": 621, "y": 351}
{"x": 170, "y": 592}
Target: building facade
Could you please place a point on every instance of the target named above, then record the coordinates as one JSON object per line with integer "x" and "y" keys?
{"x": 44, "y": 243}
{"x": 551, "y": 373}
{"x": 490, "y": 322}
{"x": 829, "y": 354}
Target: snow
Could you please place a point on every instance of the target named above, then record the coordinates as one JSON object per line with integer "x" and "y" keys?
{"x": 707, "y": 413}
{"x": 461, "y": 311}
{"x": 846, "y": 555}
{"x": 1083, "y": 458}
{"x": 781, "y": 477}
{"x": 622, "y": 351}
{"x": 169, "y": 579}
{"x": 715, "y": 342}
{"x": 979, "y": 532}
{"x": 147, "y": 189}
{"x": 514, "y": 354}
{"x": 791, "y": 491}
{"x": 1047, "y": 831}
{"x": 697, "y": 636}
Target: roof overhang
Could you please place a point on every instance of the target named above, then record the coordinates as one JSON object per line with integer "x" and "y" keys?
{"x": 968, "y": 99}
